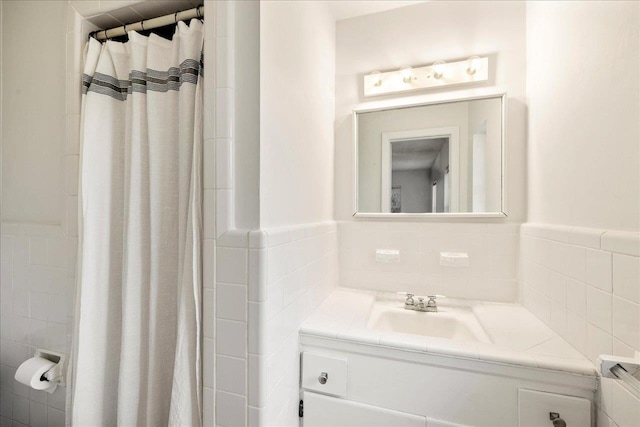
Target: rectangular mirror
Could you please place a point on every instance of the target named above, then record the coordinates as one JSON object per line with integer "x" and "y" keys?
{"x": 437, "y": 159}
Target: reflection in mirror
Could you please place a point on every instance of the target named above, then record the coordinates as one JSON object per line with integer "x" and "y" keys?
{"x": 437, "y": 158}
{"x": 419, "y": 166}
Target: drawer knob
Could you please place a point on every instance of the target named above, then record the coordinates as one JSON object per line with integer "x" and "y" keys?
{"x": 323, "y": 378}
{"x": 557, "y": 421}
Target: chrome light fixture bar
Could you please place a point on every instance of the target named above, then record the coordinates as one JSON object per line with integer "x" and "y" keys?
{"x": 439, "y": 74}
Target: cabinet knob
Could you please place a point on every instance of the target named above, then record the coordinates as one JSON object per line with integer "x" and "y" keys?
{"x": 323, "y": 378}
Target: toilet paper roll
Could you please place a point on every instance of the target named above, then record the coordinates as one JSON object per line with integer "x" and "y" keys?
{"x": 30, "y": 372}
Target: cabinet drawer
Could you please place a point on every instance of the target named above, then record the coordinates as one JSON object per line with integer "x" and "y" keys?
{"x": 535, "y": 407}
{"x": 314, "y": 366}
{"x": 323, "y": 411}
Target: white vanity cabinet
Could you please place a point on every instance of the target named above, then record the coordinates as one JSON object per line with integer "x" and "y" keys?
{"x": 354, "y": 384}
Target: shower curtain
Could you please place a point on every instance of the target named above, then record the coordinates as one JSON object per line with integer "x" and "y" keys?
{"x": 136, "y": 348}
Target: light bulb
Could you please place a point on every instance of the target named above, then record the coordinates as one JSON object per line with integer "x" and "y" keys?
{"x": 473, "y": 64}
{"x": 438, "y": 69}
{"x": 406, "y": 72}
{"x": 376, "y": 77}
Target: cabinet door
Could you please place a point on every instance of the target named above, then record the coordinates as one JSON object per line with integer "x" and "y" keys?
{"x": 326, "y": 411}
{"x": 535, "y": 406}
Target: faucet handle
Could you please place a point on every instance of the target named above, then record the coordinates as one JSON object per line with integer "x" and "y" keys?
{"x": 409, "y": 303}
{"x": 432, "y": 305}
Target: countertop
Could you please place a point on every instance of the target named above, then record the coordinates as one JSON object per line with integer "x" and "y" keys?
{"x": 518, "y": 337}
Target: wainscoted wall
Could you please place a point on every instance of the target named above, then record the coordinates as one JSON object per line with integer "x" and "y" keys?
{"x": 38, "y": 268}
{"x": 362, "y": 45}
{"x": 294, "y": 254}
{"x": 301, "y": 271}
{"x": 266, "y": 284}
{"x": 493, "y": 258}
{"x": 230, "y": 136}
{"x": 218, "y": 187}
{"x": 58, "y": 244}
{"x": 39, "y": 260}
{"x": 585, "y": 284}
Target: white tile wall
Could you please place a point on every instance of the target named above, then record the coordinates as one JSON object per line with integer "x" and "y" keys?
{"x": 292, "y": 270}
{"x": 36, "y": 313}
{"x": 595, "y": 290}
{"x": 598, "y": 271}
{"x": 230, "y": 353}
{"x": 617, "y": 407}
{"x": 209, "y": 208}
{"x": 492, "y": 249}
{"x": 225, "y": 254}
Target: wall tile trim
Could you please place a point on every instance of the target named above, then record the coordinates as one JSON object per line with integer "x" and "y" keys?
{"x": 623, "y": 242}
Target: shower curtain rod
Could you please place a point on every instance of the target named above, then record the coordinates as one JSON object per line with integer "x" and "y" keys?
{"x": 148, "y": 24}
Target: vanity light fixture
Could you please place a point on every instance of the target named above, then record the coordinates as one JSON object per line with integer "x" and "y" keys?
{"x": 473, "y": 65}
{"x": 438, "y": 69}
{"x": 376, "y": 78}
{"x": 407, "y": 74}
{"x": 439, "y": 74}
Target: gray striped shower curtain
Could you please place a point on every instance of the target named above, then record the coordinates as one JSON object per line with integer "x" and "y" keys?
{"x": 136, "y": 345}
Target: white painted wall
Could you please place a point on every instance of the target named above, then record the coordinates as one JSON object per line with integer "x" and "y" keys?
{"x": 247, "y": 72}
{"x": 584, "y": 104}
{"x": 33, "y": 99}
{"x": 415, "y": 189}
{"x": 297, "y": 57}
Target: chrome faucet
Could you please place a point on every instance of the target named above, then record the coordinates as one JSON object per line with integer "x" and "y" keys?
{"x": 431, "y": 306}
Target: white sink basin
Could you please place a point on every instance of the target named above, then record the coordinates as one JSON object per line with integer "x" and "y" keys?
{"x": 456, "y": 323}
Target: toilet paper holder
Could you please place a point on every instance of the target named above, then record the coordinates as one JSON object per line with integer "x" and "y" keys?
{"x": 54, "y": 375}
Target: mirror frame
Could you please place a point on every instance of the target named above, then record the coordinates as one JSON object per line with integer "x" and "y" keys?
{"x": 428, "y": 215}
